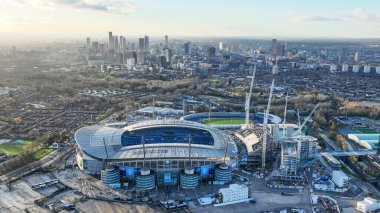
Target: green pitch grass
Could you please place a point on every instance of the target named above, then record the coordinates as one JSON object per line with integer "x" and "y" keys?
{"x": 41, "y": 153}
{"x": 14, "y": 148}
{"x": 365, "y": 130}
{"x": 221, "y": 121}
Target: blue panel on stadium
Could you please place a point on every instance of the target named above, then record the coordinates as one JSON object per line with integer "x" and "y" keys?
{"x": 205, "y": 170}
{"x": 168, "y": 178}
{"x": 130, "y": 171}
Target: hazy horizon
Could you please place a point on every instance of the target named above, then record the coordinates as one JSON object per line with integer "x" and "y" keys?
{"x": 55, "y": 20}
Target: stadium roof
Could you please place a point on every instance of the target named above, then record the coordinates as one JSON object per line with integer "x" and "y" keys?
{"x": 92, "y": 139}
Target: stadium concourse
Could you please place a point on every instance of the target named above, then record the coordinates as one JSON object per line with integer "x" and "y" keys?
{"x": 166, "y": 146}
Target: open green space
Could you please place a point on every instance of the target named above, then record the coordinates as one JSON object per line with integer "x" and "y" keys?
{"x": 213, "y": 81}
{"x": 41, "y": 153}
{"x": 14, "y": 147}
{"x": 366, "y": 130}
{"x": 221, "y": 121}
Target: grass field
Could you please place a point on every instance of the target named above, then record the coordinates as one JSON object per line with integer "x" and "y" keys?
{"x": 366, "y": 130}
{"x": 41, "y": 153}
{"x": 220, "y": 121}
{"x": 14, "y": 148}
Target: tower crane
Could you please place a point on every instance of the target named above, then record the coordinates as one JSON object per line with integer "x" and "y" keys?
{"x": 285, "y": 112}
{"x": 299, "y": 131}
{"x": 265, "y": 126}
{"x": 248, "y": 98}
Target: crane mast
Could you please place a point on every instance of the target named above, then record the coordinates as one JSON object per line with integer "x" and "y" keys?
{"x": 248, "y": 98}
{"x": 265, "y": 125}
{"x": 285, "y": 112}
{"x": 299, "y": 131}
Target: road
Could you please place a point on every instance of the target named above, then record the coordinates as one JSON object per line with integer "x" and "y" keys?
{"x": 27, "y": 169}
{"x": 329, "y": 142}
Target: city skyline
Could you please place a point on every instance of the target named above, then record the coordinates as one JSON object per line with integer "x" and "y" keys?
{"x": 52, "y": 19}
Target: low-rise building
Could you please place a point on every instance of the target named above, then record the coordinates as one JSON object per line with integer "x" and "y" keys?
{"x": 368, "y": 205}
{"x": 234, "y": 193}
{"x": 340, "y": 179}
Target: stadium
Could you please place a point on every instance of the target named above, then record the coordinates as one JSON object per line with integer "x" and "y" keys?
{"x": 166, "y": 147}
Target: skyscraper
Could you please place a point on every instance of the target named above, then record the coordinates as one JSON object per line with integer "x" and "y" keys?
{"x": 141, "y": 43}
{"x": 279, "y": 49}
{"x": 166, "y": 41}
{"x": 343, "y": 55}
{"x": 116, "y": 44}
{"x": 221, "y": 46}
{"x": 274, "y": 43}
{"x": 95, "y": 45}
{"x": 146, "y": 42}
{"x": 162, "y": 61}
{"x": 211, "y": 52}
{"x": 168, "y": 54}
{"x": 110, "y": 40}
{"x": 357, "y": 56}
{"x": 88, "y": 42}
{"x": 188, "y": 47}
{"x": 122, "y": 42}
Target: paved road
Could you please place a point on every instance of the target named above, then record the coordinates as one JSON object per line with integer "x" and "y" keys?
{"x": 329, "y": 142}
{"x": 27, "y": 169}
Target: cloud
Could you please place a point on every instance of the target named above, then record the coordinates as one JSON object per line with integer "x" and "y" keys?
{"x": 111, "y": 6}
{"x": 29, "y": 19}
{"x": 311, "y": 18}
{"x": 359, "y": 15}
{"x": 363, "y": 15}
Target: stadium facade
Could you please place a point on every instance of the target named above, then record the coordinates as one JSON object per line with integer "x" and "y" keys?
{"x": 166, "y": 147}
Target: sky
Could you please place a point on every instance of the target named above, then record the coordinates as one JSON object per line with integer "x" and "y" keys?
{"x": 58, "y": 19}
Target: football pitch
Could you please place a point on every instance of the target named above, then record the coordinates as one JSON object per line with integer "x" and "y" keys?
{"x": 221, "y": 121}
{"x": 14, "y": 147}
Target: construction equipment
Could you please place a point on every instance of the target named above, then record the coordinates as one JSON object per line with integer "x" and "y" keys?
{"x": 299, "y": 131}
{"x": 248, "y": 98}
{"x": 285, "y": 112}
{"x": 265, "y": 127}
